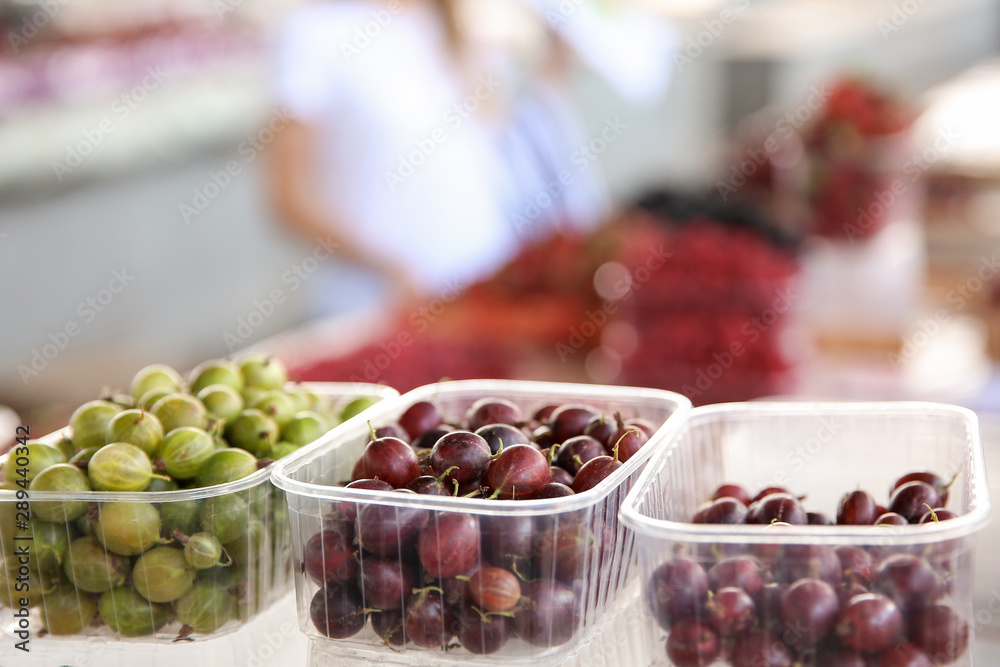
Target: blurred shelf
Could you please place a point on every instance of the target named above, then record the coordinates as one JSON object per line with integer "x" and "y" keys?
{"x": 72, "y": 110}
{"x": 55, "y": 145}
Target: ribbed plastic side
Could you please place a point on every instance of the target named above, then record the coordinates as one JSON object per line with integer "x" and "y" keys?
{"x": 821, "y": 451}
{"x": 578, "y": 542}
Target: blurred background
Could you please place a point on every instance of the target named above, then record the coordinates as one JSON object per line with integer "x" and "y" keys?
{"x": 734, "y": 200}
{"x": 842, "y": 154}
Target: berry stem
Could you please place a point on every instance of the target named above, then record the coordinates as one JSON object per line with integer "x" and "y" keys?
{"x": 620, "y": 442}
{"x": 934, "y": 516}
{"x": 518, "y": 574}
{"x": 427, "y": 589}
{"x": 954, "y": 477}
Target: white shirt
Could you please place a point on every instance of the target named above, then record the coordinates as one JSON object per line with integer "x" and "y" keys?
{"x": 409, "y": 169}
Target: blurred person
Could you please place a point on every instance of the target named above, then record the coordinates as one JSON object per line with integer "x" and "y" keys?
{"x": 425, "y": 155}
{"x": 391, "y": 152}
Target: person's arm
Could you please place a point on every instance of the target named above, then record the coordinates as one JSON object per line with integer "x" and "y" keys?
{"x": 296, "y": 194}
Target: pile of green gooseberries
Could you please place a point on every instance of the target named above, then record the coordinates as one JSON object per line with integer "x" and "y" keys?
{"x": 136, "y": 567}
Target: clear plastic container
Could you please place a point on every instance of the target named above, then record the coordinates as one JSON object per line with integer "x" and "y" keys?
{"x": 270, "y": 638}
{"x": 616, "y": 641}
{"x": 571, "y": 550}
{"x": 127, "y": 540}
{"x": 822, "y": 450}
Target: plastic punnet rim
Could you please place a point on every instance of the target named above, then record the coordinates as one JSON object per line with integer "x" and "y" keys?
{"x": 666, "y": 433}
{"x": 960, "y": 527}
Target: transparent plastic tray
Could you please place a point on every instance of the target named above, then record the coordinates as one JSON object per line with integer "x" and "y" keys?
{"x": 261, "y": 573}
{"x": 822, "y": 450}
{"x": 601, "y": 566}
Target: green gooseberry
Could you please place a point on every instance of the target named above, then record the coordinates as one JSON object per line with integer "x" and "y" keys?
{"x": 85, "y": 524}
{"x": 8, "y": 524}
{"x": 277, "y": 405}
{"x": 150, "y": 398}
{"x": 306, "y": 427}
{"x": 226, "y": 465}
{"x": 263, "y": 371}
{"x": 123, "y": 401}
{"x": 354, "y": 407}
{"x": 222, "y": 401}
{"x": 261, "y": 501}
{"x": 252, "y": 394}
{"x": 91, "y": 568}
{"x": 161, "y": 483}
{"x": 253, "y": 431}
{"x": 38, "y": 457}
{"x": 302, "y": 398}
{"x": 216, "y": 371}
{"x": 23, "y": 581}
{"x": 281, "y": 450}
{"x": 90, "y": 423}
{"x": 176, "y": 410}
{"x": 50, "y": 542}
{"x": 252, "y": 587}
{"x": 119, "y": 466}
{"x": 84, "y": 455}
{"x": 226, "y": 517}
{"x": 179, "y": 516}
{"x": 66, "y": 611}
{"x": 162, "y": 574}
{"x": 155, "y": 376}
{"x": 225, "y": 577}
{"x": 64, "y": 477}
{"x": 66, "y": 447}
{"x": 127, "y": 529}
{"x": 136, "y": 427}
{"x": 248, "y": 547}
{"x": 131, "y": 615}
{"x": 203, "y": 551}
{"x": 185, "y": 450}
{"x": 205, "y": 608}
